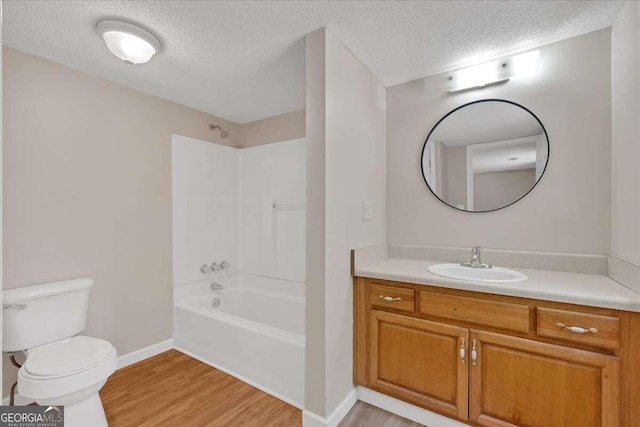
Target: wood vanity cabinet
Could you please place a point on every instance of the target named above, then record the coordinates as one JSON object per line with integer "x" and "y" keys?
{"x": 417, "y": 361}
{"x": 517, "y": 381}
{"x": 492, "y": 360}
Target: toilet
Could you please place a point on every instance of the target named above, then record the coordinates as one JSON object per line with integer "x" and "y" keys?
{"x": 62, "y": 368}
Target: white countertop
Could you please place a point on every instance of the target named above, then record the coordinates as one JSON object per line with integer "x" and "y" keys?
{"x": 573, "y": 288}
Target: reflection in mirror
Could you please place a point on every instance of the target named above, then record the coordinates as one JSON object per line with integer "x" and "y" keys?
{"x": 485, "y": 155}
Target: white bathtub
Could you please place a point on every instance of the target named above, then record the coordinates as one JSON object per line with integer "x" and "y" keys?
{"x": 256, "y": 333}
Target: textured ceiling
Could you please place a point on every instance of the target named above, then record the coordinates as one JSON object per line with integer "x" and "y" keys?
{"x": 244, "y": 61}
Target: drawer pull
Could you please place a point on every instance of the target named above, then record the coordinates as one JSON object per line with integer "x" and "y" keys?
{"x": 462, "y": 352}
{"x": 390, "y": 299}
{"x": 577, "y": 329}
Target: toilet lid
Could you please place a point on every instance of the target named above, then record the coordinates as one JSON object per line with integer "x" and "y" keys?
{"x": 68, "y": 356}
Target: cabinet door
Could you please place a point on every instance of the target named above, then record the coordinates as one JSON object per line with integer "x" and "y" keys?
{"x": 420, "y": 362}
{"x": 518, "y": 382}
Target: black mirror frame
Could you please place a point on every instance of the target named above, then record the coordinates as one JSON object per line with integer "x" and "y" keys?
{"x": 466, "y": 105}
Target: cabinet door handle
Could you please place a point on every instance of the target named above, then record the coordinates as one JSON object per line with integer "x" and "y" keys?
{"x": 462, "y": 352}
{"x": 577, "y": 329}
{"x": 390, "y": 299}
{"x": 474, "y": 353}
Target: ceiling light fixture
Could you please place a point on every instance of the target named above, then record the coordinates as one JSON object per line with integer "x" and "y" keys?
{"x": 495, "y": 72}
{"x": 128, "y": 41}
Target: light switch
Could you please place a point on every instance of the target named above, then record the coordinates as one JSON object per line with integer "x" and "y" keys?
{"x": 367, "y": 210}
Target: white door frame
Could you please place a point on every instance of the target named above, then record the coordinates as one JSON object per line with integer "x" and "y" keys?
{"x": 429, "y": 165}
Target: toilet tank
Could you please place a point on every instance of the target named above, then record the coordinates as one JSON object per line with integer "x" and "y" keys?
{"x": 40, "y": 314}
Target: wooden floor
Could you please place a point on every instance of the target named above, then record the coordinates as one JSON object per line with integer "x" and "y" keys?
{"x": 365, "y": 415}
{"x": 173, "y": 389}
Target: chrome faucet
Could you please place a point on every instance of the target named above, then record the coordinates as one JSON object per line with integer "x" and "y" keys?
{"x": 214, "y": 267}
{"x": 216, "y": 286}
{"x": 476, "y": 261}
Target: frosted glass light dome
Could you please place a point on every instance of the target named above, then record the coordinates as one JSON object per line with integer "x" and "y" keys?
{"x": 127, "y": 41}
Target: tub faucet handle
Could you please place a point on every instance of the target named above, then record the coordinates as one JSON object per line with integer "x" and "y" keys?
{"x": 204, "y": 269}
{"x": 216, "y": 267}
{"x": 225, "y": 265}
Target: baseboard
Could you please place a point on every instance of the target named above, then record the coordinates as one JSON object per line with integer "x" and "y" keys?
{"x": 309, "y": 419}
{"x": 343, "y": 408}
{"x": 241, "y": 378}
{"x": 406, "y": 410}
{"x": 124, "y": 360}
{"x": 144, "y": 353}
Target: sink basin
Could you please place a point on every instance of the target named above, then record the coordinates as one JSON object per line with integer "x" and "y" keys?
{"x": 489, "y": 275}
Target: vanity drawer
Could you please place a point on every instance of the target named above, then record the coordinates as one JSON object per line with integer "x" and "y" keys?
{"x": 585, "y": 328}
{"x": 514, "y": 317}
{"x": 400, "y": 299}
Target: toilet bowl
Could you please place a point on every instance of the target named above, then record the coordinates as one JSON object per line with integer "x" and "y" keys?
{"x": 62, "y": 368}
{"x": 70, "y": 373}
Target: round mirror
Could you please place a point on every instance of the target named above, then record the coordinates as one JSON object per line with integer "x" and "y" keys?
{"x": 485, "y": 155}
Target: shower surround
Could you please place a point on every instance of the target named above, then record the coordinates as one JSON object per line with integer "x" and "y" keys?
{"x": 245, "y": 207}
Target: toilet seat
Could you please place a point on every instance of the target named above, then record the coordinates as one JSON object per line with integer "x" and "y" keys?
{"x": 66, "y": 367}
{"x": 66, "y": 357}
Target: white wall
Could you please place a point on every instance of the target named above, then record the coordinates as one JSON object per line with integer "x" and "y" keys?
{"x": 625, "y": 140}
{"x": 283, "y": 127}
{"x": 223, "y": 209}
{"x": 345, "y": 166}
{"x": 315, "y": 250}
{"x": 492, "y": 190}
{"x": 569, "y": 210}
{"x": 87, "y": 192}
{"x": 205, "y": 207}
{"x": 272, "y": 241}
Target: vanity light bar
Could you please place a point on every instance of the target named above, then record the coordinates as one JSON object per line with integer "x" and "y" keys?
{"x": 480, "y": 86}
{"x": 495, "y": 72}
